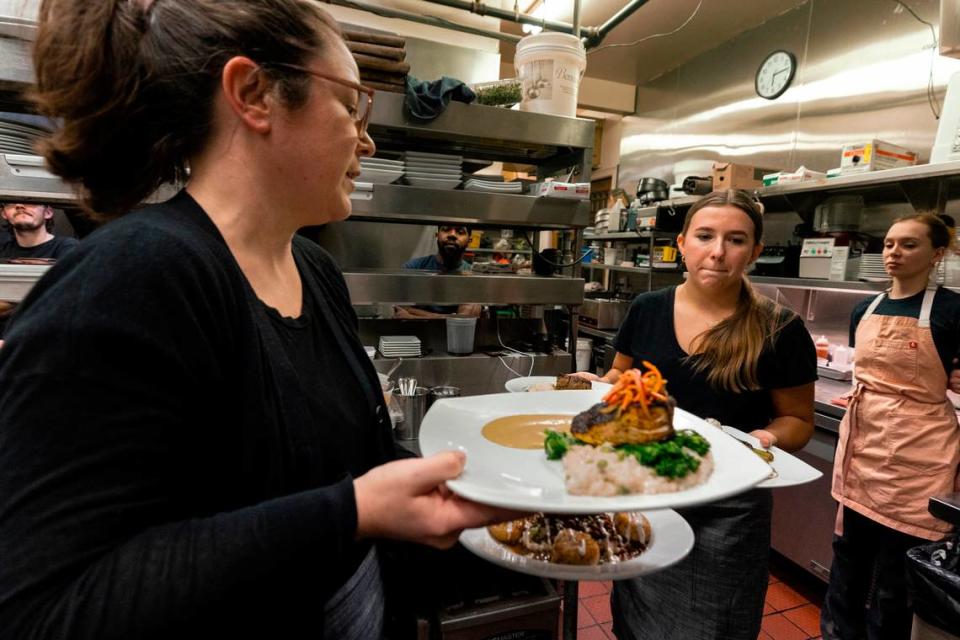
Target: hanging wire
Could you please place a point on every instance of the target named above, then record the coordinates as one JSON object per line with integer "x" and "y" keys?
{"x": 651, "y": 37}
{"x": 931, "y": 92}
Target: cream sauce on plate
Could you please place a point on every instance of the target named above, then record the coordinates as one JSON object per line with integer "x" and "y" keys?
{"x": 526, "y": 431}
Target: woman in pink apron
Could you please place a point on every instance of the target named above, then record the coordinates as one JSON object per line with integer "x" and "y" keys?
{"x": 899, "y": 440}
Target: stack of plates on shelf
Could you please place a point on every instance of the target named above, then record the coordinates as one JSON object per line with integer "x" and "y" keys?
{"x": 380, "y": 170}
{"x": 433, "y": 170}
{"x": 19, "y": 137}
{"x": 871, "y": 268}
{"x": 492, "y": 186}
{"x": 400, "y": 346}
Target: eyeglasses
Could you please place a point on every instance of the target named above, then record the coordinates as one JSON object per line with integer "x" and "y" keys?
{"x": 364, "y": 94}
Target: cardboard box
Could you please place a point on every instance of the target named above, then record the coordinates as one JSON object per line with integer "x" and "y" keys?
{"x": 570, "y": 190}
{"x": 727, "y": 175}
{"x": 874, "y": 155}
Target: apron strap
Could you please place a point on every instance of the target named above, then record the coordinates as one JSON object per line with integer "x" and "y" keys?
{"x": 926, "y": 306}
{"x": 873, "y": 306}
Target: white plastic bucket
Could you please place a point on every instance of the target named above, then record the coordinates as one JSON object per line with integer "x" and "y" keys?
{"x": 584, "y": 351}
{"x": 550, "y": 66}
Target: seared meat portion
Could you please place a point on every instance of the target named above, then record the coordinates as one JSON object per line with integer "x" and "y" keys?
{"x": 567, "y": 382}
{"x": 599, "y": 424}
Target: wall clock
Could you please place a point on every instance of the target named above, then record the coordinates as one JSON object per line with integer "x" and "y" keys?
{"x": 775, "y": 74}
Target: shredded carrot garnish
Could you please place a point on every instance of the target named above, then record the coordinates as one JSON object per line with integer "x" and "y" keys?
{"x": 635, "y": 387}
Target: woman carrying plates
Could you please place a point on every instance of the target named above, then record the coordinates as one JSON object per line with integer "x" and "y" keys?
{"x": 740, "y": 359}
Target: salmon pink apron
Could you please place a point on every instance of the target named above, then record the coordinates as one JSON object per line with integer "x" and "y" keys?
{"x": 899, "y": 440}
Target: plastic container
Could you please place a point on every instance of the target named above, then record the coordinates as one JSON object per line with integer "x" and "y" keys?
{"x": 499, "y": 93}
{"x": 550, "y": 66}
{"x": 460, "y": 334}
{"x": 584, "y": 351}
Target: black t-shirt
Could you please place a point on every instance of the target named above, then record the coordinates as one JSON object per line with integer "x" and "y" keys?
{"x": 54, "y": 248}
{"x": 944, "y": 319}
{"x": 648, "y": 333}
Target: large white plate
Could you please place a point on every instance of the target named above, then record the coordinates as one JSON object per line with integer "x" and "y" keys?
{"x": 790, "y": 469}
{"x": 520, "y": 385}
{"x": 525, "y": 480}
{"x": 672, "y": 541}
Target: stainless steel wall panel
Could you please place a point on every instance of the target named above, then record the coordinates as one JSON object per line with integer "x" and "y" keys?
{"x": 863, "y": 67}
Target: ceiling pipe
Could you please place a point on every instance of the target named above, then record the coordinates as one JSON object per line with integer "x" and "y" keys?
{"x": 481, "y": 9}
{"x": 422, "y": 19}
{"x": 601, "y": 32}
{"x": 592, "y": 36}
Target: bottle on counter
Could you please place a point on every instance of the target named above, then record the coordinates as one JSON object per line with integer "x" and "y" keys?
{"x": 823, "y": 348}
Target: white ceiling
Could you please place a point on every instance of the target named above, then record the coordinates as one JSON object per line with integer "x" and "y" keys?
{"x": 716, "y": 22}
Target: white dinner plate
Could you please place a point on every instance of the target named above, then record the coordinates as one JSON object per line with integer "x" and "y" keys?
{"x": 790, "y": 469}
{"x": 520, "y": 385}
{"x": 672, "y": 541}
{"x": 525, "y": 480}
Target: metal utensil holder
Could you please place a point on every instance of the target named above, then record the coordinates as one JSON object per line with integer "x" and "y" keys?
{"x": 413, "y": 407}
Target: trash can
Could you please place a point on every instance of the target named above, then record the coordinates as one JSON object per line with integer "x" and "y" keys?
{"x": 933, "y": 573}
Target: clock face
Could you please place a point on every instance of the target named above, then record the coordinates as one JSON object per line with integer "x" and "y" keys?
{"x": 775, "y": 74}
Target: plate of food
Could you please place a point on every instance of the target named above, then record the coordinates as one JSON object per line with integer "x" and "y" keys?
{"x": 562, "y": 382}
{"x": 605, "y": 546}
{"x": 587, "y": 452}
{"x": 786, "y": 470}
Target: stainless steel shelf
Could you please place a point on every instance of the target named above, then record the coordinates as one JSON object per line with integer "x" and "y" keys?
{"x": 525, "y": 252}
{"x": 810, "y": 283}
{"x": 868, "y": 179}
{"x": 831, "y": 285}
{"x": 620, "y": 235}
{"x": 612, "y": 267}
{"x": 16, "y": 280}
{"x": 402, "y": 203}
{"x": 596, "y": 333}
{"x": 413, "y": 287}
{"x": 480, "y": 132}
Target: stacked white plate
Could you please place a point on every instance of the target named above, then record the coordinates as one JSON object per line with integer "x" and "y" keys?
{"x": 380, "y": 170}
{"x": 871, "y": 268}
{"x": 491, "y": 186}
{"x": 400, "y": 346}
{"x": 19, "y": 137}
{"x": 433, "y": 170}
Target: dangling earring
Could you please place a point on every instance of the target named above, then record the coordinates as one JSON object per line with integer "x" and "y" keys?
{"x": 683, "y": 258}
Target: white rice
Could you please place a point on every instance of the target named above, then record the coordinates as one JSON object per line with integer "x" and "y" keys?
{"x": 618, "y": 474}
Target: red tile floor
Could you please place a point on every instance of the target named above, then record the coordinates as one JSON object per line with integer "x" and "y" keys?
{"x": 791, "y": 612}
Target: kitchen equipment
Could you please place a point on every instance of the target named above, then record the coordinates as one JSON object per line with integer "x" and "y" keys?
{"x": 778, "y": 260}
{"x": 651, "y": 190}
{"x": 816, "y": 257}
{"x": 441, "y": 392}
{"x": 414, "y": 407}
{"x": 946, "y": 146}
{"x": 603, "y": 313}
{"x": 697, "y": 186}
{"x": 838, "y": 213}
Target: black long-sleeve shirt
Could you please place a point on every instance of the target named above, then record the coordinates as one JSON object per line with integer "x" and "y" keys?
{"x": 166, "y": 469}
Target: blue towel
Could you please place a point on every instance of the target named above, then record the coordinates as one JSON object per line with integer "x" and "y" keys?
{"x": 427, "y": 100}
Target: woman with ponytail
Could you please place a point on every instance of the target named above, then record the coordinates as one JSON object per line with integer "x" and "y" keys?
{"x": 743, "y": 360}
{"x": 193, "y": 442}
{"x": 899, "y": 439}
